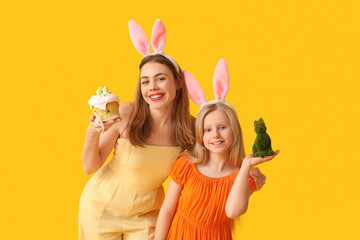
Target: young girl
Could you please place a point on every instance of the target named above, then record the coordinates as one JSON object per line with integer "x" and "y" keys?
{"x": 208, "y": 187}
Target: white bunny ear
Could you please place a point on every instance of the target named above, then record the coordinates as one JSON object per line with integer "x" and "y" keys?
{"x": 194, "y": 89}
{"x": 158, "y": 36}
{"x": 138, "y": 37}
{"x": 221, "y": 80}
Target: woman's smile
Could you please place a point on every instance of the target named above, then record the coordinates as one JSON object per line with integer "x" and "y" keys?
{"x": 157, "y": 85}
{"x": 156, "y": 96}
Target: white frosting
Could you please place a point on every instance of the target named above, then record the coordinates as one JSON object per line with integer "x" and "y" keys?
{"x": 101, "y": 100}
{"x": 98, "y": 121}
{"x": 112, "y": 117}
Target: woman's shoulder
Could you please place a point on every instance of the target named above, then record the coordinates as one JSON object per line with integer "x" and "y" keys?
{"x": 125, "y": 110}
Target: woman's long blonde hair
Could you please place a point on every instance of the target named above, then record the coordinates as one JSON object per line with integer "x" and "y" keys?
{"x": 140, "y": 126}
{"x": 237, "y": 151}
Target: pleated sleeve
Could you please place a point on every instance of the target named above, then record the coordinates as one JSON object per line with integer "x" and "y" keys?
{"x": 181, "y": 170}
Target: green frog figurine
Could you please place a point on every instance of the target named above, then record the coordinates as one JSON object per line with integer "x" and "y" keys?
{"x": 262, "y": 144}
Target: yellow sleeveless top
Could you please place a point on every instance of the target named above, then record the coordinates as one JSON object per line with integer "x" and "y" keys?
{"x": 131, "y": 182}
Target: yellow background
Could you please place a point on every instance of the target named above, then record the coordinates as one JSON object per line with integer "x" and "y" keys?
{"x": 294, "y": 63}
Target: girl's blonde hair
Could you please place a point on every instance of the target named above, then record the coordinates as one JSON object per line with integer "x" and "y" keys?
{"x": 237, "y": 151}
{"x": 140, "y": 125}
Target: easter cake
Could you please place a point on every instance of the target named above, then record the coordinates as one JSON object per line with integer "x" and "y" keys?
{"x": 105, "y": 104}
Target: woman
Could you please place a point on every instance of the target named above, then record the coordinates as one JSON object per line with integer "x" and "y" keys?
{"x": 124, "y": 196}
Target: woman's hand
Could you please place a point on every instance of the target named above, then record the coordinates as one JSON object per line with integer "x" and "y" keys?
{"x": 259, "y": 178}
{"x": 96, "y": 128}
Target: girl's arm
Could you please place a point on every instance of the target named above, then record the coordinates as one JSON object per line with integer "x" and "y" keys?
{"x": 97, "y": 146}
{"x": 167, "y": 210}
{"x": 238, "y": 199}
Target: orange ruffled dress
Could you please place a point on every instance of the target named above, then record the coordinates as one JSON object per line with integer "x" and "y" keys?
{"x": 201, "y": 209}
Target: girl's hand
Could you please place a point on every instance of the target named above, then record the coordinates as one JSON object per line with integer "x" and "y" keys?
{"x": 253, "y": 161}
{"x": 259, "y": 178}
{"x": 96, "y": 128}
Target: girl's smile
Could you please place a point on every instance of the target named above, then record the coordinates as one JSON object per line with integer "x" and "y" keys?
{"x": 218, "y": 135}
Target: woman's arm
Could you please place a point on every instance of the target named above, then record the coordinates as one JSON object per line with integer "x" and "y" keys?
{"x": 238, "y": 199}
{"x": 167, "y": 210}
{"x": 97, "y": 146}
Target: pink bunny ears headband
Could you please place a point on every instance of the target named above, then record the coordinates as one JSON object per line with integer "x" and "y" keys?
{"x": 158, "y": 36}
{"x": 220, "y": 83}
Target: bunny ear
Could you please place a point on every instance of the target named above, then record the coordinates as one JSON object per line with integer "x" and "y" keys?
{"x": 158, "y": 36}
{"x": 194, "y": 89}
{"x": 138, "y": 37}
{"x": 221, "y": 80}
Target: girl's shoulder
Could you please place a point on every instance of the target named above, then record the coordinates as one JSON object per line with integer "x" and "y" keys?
{"x": 186, "y": 156}
{"x": 184, "y": 161}
{"x": 182, "y": 169}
